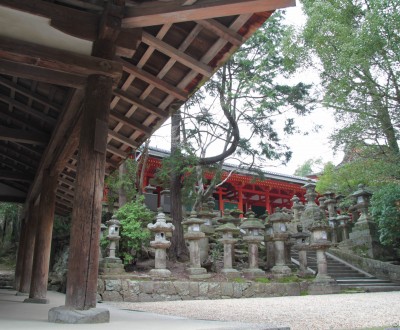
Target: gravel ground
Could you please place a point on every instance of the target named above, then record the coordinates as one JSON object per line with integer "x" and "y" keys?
{"x": 340, "y": 311}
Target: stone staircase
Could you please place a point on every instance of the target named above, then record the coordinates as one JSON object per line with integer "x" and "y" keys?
{"x": 347, "y": 276}
{"x": 6, "y": 279}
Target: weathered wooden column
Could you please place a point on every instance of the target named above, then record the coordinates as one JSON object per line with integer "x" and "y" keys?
{"x": 44, "y": 231}
{"x": 86, "y": 215}
{"x": 20, "y": 255}
{"x": 29, "y": 247}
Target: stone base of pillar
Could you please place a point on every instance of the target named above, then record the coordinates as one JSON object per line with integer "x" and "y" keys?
{"x": 324, "y": 279}
{"x": 37, "y": 301}
{"x": 109, "y": 266}
{"x": 19, "y": 293}
{"x": 305, "y": 273}
{"x": 230, "y": 272}
{"x": 65, "y": 314}
{"x": 198, "y": 273}
{"x": 251, "y": 273}
{"x": 160, "y": 273}
{"x": 281, "y": 271}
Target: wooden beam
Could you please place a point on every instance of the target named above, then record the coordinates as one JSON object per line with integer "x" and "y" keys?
{"x": 57, "y": 144}
{"x": 123, "y": 139}
{"x": 15, "y": 176}
{"x": 134, "y": 100}
{"x": 19, "y": 135}
{"x": 157, "y": 13}
{"x": 37, "y": 56}
{"x": 117, "y": 152}
{"x": 222, "y": 31}
{"x": 130, "y": 122}
{"x": 177, "y": 55}
{"x": 20, "y": 70}
{"x": 153, "y": 80}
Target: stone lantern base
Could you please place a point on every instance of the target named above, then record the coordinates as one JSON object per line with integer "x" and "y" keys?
{"x": 230, "y": 272}
{"x": 198, "y": 273}
{"x": 251, "y": 273}
{"x": 280, "y": 271}
{"x": 160, "y": 273}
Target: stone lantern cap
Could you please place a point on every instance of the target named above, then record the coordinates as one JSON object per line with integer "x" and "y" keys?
{"x": 161, "y": 225}
{"x": 361, "y": 192}
{"x": 280, "y": 216}
{"x": 251, "y": 222}
{"x": 342, "y": 218}
{"x": 193, "y": 220}
{"x": 226, "y": 218}
{"x": 228, "y": 227}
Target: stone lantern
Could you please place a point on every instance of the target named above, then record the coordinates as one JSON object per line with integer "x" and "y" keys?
{"x": 311, "y": 207}
{"x": 112, "y": 264}
{"x": 205, "y": 214}
{"x": 226, "y": 218}
{"x": 269, "y": 243}
{"x": 235, "y": 214}
{"x": 365, "y": 232}
{"x": 320, "y": 244}
{"x": 279, "y": 222}
{"x": 297, "y": 209}
{"x": 302, "y": 245}
{"x": 343, "y": 219}
{"x": 228, "y": 230}
{"x": 161, "y": 244}
{"x": 193, "y": 235}
{"x": 330, "y": 202}
{"x": 253, "y": 237}
{"x": 113, "y": 236}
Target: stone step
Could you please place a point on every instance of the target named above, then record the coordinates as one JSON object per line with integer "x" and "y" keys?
{"x": 378, "y": 288}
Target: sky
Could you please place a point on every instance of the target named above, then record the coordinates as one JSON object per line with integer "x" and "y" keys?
{"x": 313, "y": 146}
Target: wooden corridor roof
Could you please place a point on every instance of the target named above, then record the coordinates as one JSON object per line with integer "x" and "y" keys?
{"x": 165, "y": 50}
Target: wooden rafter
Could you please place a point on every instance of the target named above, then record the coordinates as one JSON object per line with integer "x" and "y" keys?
{"x": 22, "y": 136}
{"x": 177, "y": 55}
{"x": 131, "y": 122}
{"x": 156, "y": 13}
{"x": 15, "y": 176}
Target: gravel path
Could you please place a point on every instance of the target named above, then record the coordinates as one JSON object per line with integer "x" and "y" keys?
{"x": 340, "y": 311}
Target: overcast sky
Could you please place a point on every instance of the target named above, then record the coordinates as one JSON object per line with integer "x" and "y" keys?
{"x": 313, "y": 146}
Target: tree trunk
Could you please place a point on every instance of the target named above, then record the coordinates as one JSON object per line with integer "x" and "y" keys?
{"x": 178, "y": 249}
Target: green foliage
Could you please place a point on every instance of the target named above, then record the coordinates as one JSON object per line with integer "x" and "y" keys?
{"x": 356, "y": 51}
{"x": 304, "y": 293}
{"x": 289, "y": 279}
{"x": 61, "y": 226}
{"x": 308, "y": 167}
{"x": 134, "y": 217}
{"x": 126, "y": 181}
{"x": 385, "y": 208}
{"x": 263, "y": 280}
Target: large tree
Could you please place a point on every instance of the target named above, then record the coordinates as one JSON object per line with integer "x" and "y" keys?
{"x": 234, "y": 116}
{"x": 355, "y": 46}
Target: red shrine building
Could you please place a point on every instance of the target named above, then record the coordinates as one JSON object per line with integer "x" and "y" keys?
{"x": 243, "y": 189}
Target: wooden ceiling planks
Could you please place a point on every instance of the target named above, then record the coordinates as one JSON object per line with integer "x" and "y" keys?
{"x": 177, "y": 49}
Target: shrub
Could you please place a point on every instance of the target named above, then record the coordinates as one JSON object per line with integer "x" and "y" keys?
{"x": 134, "y": 217}
{"x": 385, "y": 209}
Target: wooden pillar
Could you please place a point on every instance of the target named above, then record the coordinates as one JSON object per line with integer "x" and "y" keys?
{"x": 29, "y": 248}
{"x": 240, "y": 199}
{"x": 220, "y": 200}
{"x": 268, "y": 203}
{"x": 86, "y": 214}
{"x": 20, "y": 255}
{"x": 122, "y": 199}
{"x": 44, "y": 230}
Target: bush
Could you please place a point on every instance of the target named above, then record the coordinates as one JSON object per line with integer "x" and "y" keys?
{"x": 134, "y": 217}
{"x": 385, "y": 209}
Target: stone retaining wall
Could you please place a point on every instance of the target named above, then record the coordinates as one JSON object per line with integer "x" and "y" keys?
{"x": 146, "y": 291}
{"x": 377, "y": 268}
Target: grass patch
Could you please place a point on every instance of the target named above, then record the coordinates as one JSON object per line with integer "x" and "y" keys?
{"x": 304, "y": 293}
{"x": 238, "y": 280}
{"x": 353, "y": 290}
{"x": 263, "y": 280}
{"x": 288, "y": 279}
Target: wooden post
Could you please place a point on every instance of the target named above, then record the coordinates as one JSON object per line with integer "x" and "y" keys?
{"x": 30, "y": 237}
{"x": 86, "y": 214}
{"x": 44, "y": 230}
{"x": 21, "y": 253}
